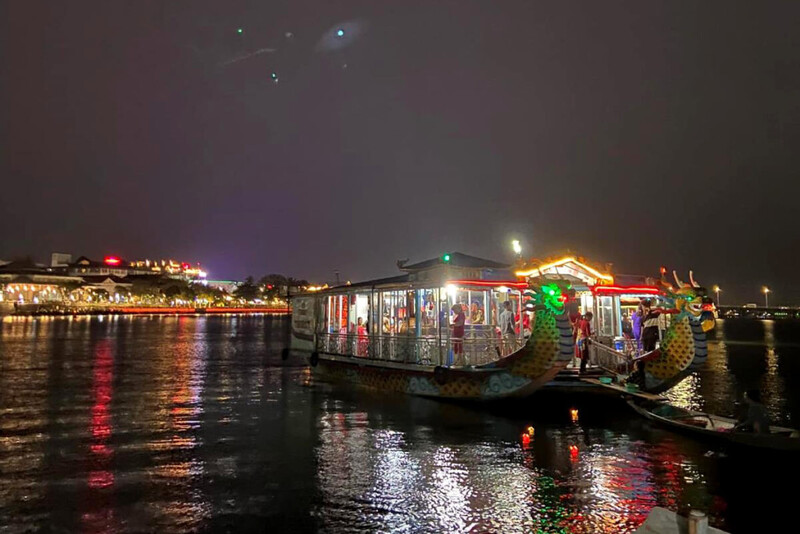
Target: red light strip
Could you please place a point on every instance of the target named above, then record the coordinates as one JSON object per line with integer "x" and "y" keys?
{"x": 488, "y": 283}
{"x": 189, "y": 311}
{"x": 650, "y": 290}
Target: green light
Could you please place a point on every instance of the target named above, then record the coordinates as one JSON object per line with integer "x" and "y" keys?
{"x": 552, "y": 292}
{"x": 240, "y": 30}
{"x": 340, "y": 33}
{"x": 446, "y": 257}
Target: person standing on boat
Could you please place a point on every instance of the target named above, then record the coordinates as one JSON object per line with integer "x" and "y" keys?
{"x": 575, "y": 318}
{"x": 459, "y": 321}
{"x": 755, "y": 418}
{"x": 507, "y": 327}
{"x": 650, "y": 333}
{"x": 363, "y": 340}
{"x": 636, "y": 321}
{"x": 627, "y": 326}
{"x": 584, "y": 335}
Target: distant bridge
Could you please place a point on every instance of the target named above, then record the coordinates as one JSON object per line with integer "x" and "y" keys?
{"x": 758, "y": 312}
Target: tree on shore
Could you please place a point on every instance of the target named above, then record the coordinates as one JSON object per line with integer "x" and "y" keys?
{"x": 249, "y": 290}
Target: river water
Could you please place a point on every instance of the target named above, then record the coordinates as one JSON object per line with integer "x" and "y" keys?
{"x": 156, "y": 424}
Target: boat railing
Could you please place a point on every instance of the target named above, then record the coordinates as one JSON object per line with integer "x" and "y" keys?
{"x": 424, "y": 350}
{"x": 610, "y": 359}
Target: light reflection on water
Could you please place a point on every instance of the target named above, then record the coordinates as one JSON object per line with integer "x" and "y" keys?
{"x": 161, "y": 423}
{"x": 377, "y": 479}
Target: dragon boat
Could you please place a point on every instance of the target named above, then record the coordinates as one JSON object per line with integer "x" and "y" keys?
{"x": 396, "y": 334}
{"x": 687, "y": 310}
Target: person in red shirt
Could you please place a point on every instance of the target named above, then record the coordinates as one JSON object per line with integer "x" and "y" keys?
{"x": 458, "y": 330}
{"x": 584, "y": 334}
{"x": 363, "y": 340}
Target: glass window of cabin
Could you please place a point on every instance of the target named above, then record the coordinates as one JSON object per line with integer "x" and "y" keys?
{"x": 428, "y": 311}
{"x": 605, "y": 316}
{"x": 587, "y": 302}
{"x": 394, "y": 312}
{"x": 338, "y": 308}
{"x": 410, "y": 299}
{"x": 359, "y": 310}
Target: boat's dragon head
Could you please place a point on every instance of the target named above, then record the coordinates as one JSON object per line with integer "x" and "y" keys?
{"x": 549, "y": 294}
{"x": 689, "y": 300}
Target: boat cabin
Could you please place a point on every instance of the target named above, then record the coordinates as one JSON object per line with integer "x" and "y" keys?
{"x": 410, "y": 318}
{"x": 610, "y": 298}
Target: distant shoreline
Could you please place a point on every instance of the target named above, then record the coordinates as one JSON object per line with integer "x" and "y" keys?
{"x": 154, "y": 310}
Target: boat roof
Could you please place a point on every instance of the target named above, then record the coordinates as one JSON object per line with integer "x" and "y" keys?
{"x": 457, "y": 259}
{"x": 391, "y": 280}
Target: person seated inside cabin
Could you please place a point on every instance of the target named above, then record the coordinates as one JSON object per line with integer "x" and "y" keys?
{"x": 754, "y": 418}
{"x": 387, "y": 326}
{"x": 476, "y": 313}
{"x": 402, "y": 326}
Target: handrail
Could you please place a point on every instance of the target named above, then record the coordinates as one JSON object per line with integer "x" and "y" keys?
{"x": 611, "y": 360}
{"x": 425, "y": 350}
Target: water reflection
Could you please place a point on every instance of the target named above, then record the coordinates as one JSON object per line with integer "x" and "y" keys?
{"x": 195, "y": 423}
{"x": 380, "y": 478}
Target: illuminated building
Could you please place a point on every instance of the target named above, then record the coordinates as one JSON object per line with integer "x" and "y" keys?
{"x": 116, "y": 266}
{"x": 28, "y": 283}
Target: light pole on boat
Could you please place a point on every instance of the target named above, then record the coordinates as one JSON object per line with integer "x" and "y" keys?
{"x": 717, "y": 290}
{"x": 766, "y": 291}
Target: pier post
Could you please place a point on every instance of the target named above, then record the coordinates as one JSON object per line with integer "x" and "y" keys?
{"x": 698, "y": 522}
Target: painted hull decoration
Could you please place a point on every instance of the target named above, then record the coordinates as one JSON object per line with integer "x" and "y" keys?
{"x": 487, "y": 365}
{"x": 546, "y": 352}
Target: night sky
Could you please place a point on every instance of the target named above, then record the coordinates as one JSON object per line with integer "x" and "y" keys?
{"x": 638, "y": 133}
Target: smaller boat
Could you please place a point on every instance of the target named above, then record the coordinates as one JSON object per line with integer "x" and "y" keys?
{"x": 716, "y": 428}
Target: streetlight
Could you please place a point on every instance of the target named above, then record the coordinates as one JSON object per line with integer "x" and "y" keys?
{"x": 517, "y": 247}
{"x": 765, "y": 289}
{"x": 717, "y": 290}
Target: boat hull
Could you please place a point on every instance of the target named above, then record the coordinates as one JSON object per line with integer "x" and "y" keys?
{"x": 721, "y": 430}
{"x": 520, "y": 374}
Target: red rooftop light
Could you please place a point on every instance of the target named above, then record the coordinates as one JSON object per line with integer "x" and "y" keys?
{"x": 650, "y": 290}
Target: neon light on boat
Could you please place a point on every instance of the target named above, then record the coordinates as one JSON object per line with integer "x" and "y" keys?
{"x": 650, "y": 290}
{"x": 562, "y": 261}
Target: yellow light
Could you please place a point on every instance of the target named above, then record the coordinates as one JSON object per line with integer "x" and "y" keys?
{"x": 562, "y": 261}
{"x": 765, "y": 289}
{"x": 573, "y": 413}
{"x": 717, "y": 289}
{"x": 530, "y": 431}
